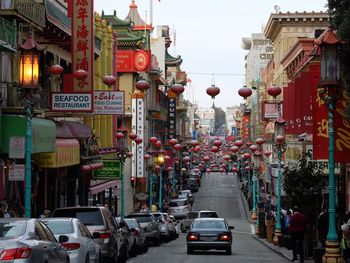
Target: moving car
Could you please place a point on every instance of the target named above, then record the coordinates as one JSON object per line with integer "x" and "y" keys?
{"x": 207, "y": 213}
{"x": 187, "y": 222}
{"x": 30, "y": 241}
{"x": 102, "y": 226}
{"x": 189, "y": 195}
{"x": 209, "y": 233}
{"x": 149, "y": 226}
{"x": 179, "y": 208}
{"x": 81, "y": 247}
{"x": 141, "y": 244}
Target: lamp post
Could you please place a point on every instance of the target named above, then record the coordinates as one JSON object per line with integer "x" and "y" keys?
{"x": 279, "y": 148}
{"x": 29, "y": 84}
{"x": 159, "y": 161}
{"x": 329, "y": 91}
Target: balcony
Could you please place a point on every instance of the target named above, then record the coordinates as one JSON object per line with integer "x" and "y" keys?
{"x": 8, "y": 32}
{"x": 27, "y": 11}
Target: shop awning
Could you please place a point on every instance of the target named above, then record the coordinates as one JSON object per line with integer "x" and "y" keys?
{"x": 103, "y": 186}
{"x": 77, "y": 129}
{"x": 43, "y": 133}
{"x": 67, "y": 154}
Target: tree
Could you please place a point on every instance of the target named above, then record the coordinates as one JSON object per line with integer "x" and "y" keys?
{"x": 220, "y": 120}
{"x": 340, "y": 18}
{"x": 304, "y": 182}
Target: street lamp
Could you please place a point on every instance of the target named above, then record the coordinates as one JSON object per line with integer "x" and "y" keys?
{"x": 279, "y": 148}
{"x": 159, "y": 161}
{"x": 29, "y": 84}
{"x": 329, "y": 91}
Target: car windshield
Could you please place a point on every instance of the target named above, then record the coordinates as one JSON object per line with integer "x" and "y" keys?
{"x": 211, "y": 224}
{"x": 192, "y": 215}
{"x": 208, "y": 214}
{"x": 158, "y": 217}
{"x": 60, "y": 227}
{"x": 141, "y": 218}
{"x": 89, "y": 217}
{"x": 12, "y": 229}
{"x": 183, "y": 196}
{"x": 178, "y": 203}
{"x": 131, "y": 223}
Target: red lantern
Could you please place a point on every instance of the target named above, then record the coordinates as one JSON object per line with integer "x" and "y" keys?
{"x": 167, "y": 157}
{"x": 158, "y": 144}
{"x": 196, "y": 170}
{"x": 172, "y": 142}
{"x": 147, "y": 156}
{"x": 109, "y": 80}
{"x": 119, "y": 135}
{"x": 267, "y": 153}
{"x": 196, "y": 149}
{"x": 177, "y": 89}
{"x": 132, "y": 136}
{"x": 138, "y": 140}
{"x": 245, "y": 92}
{"x": 246, "y": 163}
{"x": 153, "y": 140}
{"x": 208, "y": 170}
{"x": 186, "y": 159}
{"x": 246, "y": 156}
{"x": 239, "y": 143}
{"x": 212, "y": 91}
{"x": 56, "y": 70}
{"x": 217, "y": 143}
{"x": 80, "y": 74}
{"x": 129, "y": 154}
{"x": 221, "y": 170}
{"x": 234, "y": 169}
{"x": 247, "y": 168}
{"x": 157, "y": 168}
{"x": 259, "y": 141}
{"x": 280, "y": 139}
{"x": 227, "y": 157}
{"x": 142, "y": 85}
{"x": 183, "y": 170}
{"x": 253, "y": 148}
{"x": 194, "y": 143}
{"x": 177, "y": 147}
{"x": 249, "y": 143}
{"x": 234, "y": 149}
{"x": 257, "y": 153}
{"x": 206, "y": 158}
{"x": 274, "y": 91}
{"x": 169, "y": 169}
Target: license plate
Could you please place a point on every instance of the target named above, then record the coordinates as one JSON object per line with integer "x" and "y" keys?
{"x": 208, "y": 238}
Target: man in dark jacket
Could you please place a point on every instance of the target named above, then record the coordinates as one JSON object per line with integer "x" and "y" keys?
{"x": 297, "y": 230}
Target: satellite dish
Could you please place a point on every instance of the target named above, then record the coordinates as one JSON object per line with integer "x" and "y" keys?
{"x": 277, "y": 8}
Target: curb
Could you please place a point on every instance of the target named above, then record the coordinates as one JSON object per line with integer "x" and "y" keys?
{"x": 272, "y": 247}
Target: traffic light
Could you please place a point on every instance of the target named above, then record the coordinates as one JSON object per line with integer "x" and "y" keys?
{"x": 133, "y": 181}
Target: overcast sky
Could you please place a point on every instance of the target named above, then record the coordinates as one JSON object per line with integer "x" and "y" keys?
{"x": 208, "y": 37}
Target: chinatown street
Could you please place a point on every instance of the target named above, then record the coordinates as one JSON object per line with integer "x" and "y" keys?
{"x": 220, "y": 193}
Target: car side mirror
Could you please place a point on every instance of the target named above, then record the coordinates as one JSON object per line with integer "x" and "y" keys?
{"x": 121, "y": 224}
{"x": 231, "y": 227}
{"x": 63, "y": 238}
{"x": 96, "y": 235}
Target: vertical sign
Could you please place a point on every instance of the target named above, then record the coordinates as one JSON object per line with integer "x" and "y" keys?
{"x": 83, "y": 43}
{"x": 171, "y": 116}
{"x": 137, "y": 123}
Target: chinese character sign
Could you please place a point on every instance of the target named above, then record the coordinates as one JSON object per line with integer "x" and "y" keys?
{"x": 172, "y": 118}
{"x": 137, "y": 127}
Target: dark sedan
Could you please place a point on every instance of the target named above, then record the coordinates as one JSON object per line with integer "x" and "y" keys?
{"x": 209, "y": 233}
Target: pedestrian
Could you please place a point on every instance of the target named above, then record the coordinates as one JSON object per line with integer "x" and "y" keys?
{"x": 144, "y": 209}
{"x": 322, "y": 226}
{"x": 297, "y": 228}
{"x": 345, "y": 242}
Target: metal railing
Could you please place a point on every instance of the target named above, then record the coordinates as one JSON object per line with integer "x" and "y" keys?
{"x": 29, "y": 9}
{"x": 8, "y": 32}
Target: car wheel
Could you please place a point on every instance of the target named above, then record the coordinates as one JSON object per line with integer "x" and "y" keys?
{"x": 182, "y": 228}
{"x": 228, "y": 251}
{"x": 189, "y": 250}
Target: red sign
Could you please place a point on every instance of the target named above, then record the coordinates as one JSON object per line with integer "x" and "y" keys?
{"x": 320, "y": 129}
{"x": 245, "y": 126}
{"x": 133, "y": 61}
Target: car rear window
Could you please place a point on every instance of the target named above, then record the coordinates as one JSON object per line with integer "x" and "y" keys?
{"x": 131, "y": 223}
{"x": 60, "y": 227}
{"x": 141, "y": 218}
{"x": 12, "y": 229}
{"x": 178, "y": 203}
{"x": 208, "y": 224}
{"x": 89, "y": 217}
{"x": 208, "y": 214}
{"x": 158, "y": 217}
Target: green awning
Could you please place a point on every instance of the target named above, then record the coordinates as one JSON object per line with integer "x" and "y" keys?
{"x": 43, "y": 133}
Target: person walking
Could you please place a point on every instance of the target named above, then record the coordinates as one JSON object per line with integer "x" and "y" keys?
{"x": 345, "y": 242}
{"x": 297, "y": 228}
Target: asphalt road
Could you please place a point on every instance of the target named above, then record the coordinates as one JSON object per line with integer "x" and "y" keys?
{"x": 220, "y": 193}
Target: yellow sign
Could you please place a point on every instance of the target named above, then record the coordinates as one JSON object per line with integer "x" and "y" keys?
{"x": 67, "y": 154}
{"x": 171, "y": 94}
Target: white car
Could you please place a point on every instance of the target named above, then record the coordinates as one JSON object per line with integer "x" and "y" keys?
{"x": 81, "y": 246}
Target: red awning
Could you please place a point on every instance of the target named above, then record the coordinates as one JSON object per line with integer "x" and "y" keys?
{"x": 103, "y": 186}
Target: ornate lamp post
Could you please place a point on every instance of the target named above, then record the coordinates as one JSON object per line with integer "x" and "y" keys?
{"x": 159, "y": 161}
{"x": 329, "y": 91}
{"x": 29, "y": 84}
{"x": 279, "y": 148}
{"x": 253, "y": 148}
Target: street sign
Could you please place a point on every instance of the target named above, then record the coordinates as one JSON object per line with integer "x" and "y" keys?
{"x": 17, "y": 147}
{"x": 111, "y": 170}
{"x": 16, "y": 172}
{"x": 109, "y": 102}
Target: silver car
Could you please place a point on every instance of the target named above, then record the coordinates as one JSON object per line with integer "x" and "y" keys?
{"x": 163, "y": 226}
{"x": 141, "y": 244}
{"x": 81, "y": 246}
{"x": 29, "y": 241}
{"x": 179, "y": 207}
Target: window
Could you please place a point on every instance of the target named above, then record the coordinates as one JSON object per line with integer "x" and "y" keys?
{"x": 83, "y": 230}
{"x": 60, "y": 227}
{"x": 88, "y": 216}
{"x": 12, "y": 229}
{"x": 48, "y": 233}
{"x": 40, "y": 232}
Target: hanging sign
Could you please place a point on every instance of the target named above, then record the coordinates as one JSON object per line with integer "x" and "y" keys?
{"x": 109, "y": 102}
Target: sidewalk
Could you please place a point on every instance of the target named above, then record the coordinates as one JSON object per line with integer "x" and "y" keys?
{"x": 283, "y": 251}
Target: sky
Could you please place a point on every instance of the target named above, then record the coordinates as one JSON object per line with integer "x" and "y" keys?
{"x": 208, "y": 37}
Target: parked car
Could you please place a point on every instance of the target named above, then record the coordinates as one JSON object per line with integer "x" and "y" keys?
{"x": 141, "y": 244}
{"x": 176, "y": 224}
{"x": 207, "y": 213}
{"x": 149, "y": 226}
{"x": 190, "y": 184}
{"x": 195, "y": 176}
{"x": 30, "y": 241}
{"x": 163, "y": 226}
{"x": 172, "y": 226}
{"x": 179, "y": 208}
{"x": 209, "y": 233}
{"x": 102, "y": 226}
{"x": 81, "y": 246}
{"x": 187, "y": 222}
{"x": 189, "y": 194}
{"x": 129, "y": 238}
